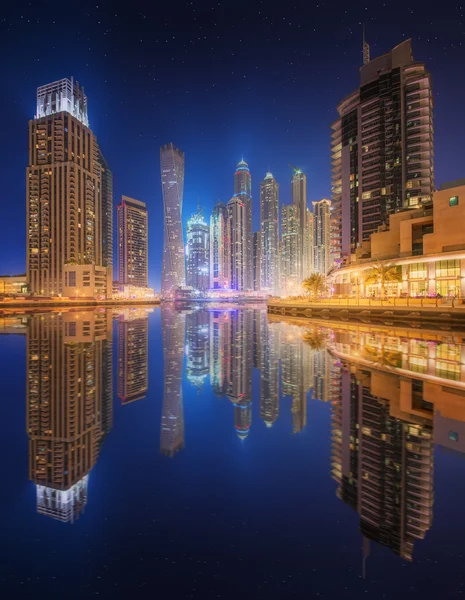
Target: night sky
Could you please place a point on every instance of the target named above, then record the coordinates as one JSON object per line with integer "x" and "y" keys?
{"x": 221, "y": 80}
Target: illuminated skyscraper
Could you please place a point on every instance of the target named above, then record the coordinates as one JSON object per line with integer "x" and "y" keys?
{"x": 381, "y": 148}
{"x": 219, "y": 248}
{"x": 67, "y": 198}
{"x": 133, "y": 367}
{"x": 198, "y": 252}
{"x": 269, "y": 230}
{"x": 299, "y": 199}
{"x": 132, "y": 243}
{"x": 172, "y": 419}
{"x": 256, "y": 265}
{"x": 310, "y": 263}
{"x": 68, "y": 365}
{"x": 322, "y": 236}
{"x": 240, "y": 230}
{"x": 172, "y": 183}
{"x": 107, "y": 216}
{"x": 290, "y": 250}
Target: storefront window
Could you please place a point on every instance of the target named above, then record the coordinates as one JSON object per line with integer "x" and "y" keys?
{"x": 448, "y": 352}
{"x": 448, "y": 268}
{"x": 447, "y": 370}
{"x": 448, "y": 287}
{"x": 417, "y": 271}
{"x": 418, "y": 288}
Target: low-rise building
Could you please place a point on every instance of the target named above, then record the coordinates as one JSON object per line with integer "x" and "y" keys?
{"x": 12, "y": 284}
{"x": 427, "y": 246}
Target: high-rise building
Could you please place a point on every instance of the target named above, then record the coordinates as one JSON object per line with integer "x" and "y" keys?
{"x": 172, "y": 183}
{"x": 381, "y": 148}
{"x": 198, "y": 252}
{"x": 132, "y": 243}
{"x": 219, "y": 248}
{"x": 107, "y": 217}
{"x": 133, "y": 366}
{"x": 299, "y": 199}
{"x": 256, "y": 265}
{"x": 173, "y": 325}
{"x": 66, "y": 234}
{"x": 68, "y": 365}
{"x": 310, "y": 264}
{"x": 269, "y": 230}
{"x": 240, "y": 230}
{"x": 322, "y": 236}
{"x": 290, "y": 250}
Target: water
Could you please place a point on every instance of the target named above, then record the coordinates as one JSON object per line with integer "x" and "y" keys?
{"x": 220, "y": 454}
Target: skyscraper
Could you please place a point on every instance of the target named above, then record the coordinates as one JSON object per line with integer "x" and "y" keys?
{"x": 107, "y": 217}
{"x": 256, "y": 266}
{"x": 269, "y": 231}
{"x": 322, "y": 236}
{"x": 198, "y": 252}
{"x": 299, "y": 198}
{"x": 172, "y": 182}
{"x": 66, "y": 236}
{"x": 133, "y": 366}
{"x": 219, "y": 248}
{"x": 132, "y": 242}
{"x": 240, "y": 230}
{"x": 290, "y": 250}
{"x": 381, "y": 148}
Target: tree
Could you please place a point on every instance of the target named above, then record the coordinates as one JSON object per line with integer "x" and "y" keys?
{"x": 382, "y": 274}
{"x": 316, "y": 339}
{"x": 314, "y": 284}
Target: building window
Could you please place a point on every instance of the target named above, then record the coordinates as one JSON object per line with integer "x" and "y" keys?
{"x": 448, "y": 370}
{"x": 72, "y": 279}
{"x": 448, "y": 268}
{"x": 417, "y": 271}
{"x": 453, "y": 200}
{"x": 453, "y": 436}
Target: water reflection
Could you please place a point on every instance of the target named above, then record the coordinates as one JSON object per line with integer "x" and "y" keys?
{"x": 393, "y": 395}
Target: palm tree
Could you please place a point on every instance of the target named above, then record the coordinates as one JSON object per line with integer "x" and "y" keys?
{"x": 383, "y": 274}
{"x": 315, "y": 339}
{"x": 314, "y": 284}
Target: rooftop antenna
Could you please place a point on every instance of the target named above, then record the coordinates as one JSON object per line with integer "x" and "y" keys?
{"x": 366, "y": 48}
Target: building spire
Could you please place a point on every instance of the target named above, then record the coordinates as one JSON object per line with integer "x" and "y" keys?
{"x": 366, "y": 48}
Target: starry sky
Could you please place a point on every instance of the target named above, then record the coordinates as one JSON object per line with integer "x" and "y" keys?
{"x": 221, "y": 79}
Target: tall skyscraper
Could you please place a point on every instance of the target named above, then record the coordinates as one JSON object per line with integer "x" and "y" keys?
{"x": 65, "y": 232}
{"x": 219, "y": 248}
{"x": 240, "y": 230}
{"x": 133, "y": 343}
{"x": 68, "y": 365}
{"x": 290, "y": 250}
{"x": 310, "y": 264}
{"x": 269, "y": 230}
{"x": 322, "y": 236}
{"x": 299, "y": 198}
{"x": 172, "y": 183}
{"x": 381, "y": 148}
{"x": 107, "y": 217}
{"x": 132, "y": 242}
{"x": 173, "y": 325}
{"x": 198, "y": 252}
{"x": 256, "y": 265}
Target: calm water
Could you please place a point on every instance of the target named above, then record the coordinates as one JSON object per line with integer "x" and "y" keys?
{"x": 221, "y": 454}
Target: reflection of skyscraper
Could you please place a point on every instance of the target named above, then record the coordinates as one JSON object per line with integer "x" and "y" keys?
{"x": 240, "y": 369}
{"x": 197, "y": 346}
{"x": 172, "y": 182}
{"x": 198, "y": 252}
{"x": 172, "y": 420}
{"x": 133, "y": 334}
{"x": 220, "y": 350}
{"x": 68, "y": 365}
{"x": 219, "y": 248}
{"x": 269, "y": 373}
{"x": 383, "y": 457}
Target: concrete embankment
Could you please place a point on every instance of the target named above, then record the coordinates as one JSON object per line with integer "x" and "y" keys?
{"x": 45, "y": 304}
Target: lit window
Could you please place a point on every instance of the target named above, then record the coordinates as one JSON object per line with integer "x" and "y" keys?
{"x": 453, "y": 200}
{"x": 453, "y": 436}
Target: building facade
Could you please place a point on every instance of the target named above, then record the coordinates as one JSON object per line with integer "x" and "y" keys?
{"x": 257, "y": 258}
{"x": 322, "y": 236}
{"x": 290, "y": 250}
{"x": 132, "y": 243}
{"x": 172, "y": 183}
{"x": 65, "y": 215}
{"x": 269, "y": 232}
{"x": 133, "y": 349}
{"x": 198, "y": 253}
{"x": 219, "y": 248}
{"x": 299, "y": 199}
{"x": 381, "y": 148}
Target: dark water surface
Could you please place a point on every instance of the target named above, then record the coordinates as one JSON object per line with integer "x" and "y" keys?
{"x": 222, "y": 453}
